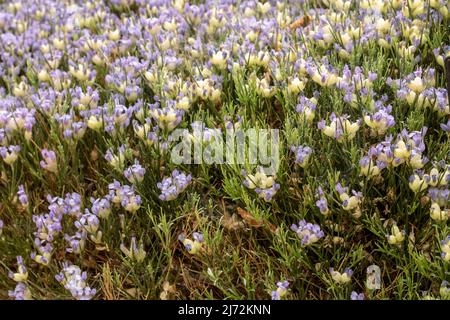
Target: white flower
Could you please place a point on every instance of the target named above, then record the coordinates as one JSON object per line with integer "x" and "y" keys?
{"x": 396, "y": 235}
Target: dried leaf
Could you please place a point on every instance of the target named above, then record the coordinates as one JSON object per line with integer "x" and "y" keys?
{"x": 164, "y": 295}
{"x": 301, "y": 22}
{"x": 107, "y": 287}
{"x": 231, "y": 222}
{"x": 169, "y": 287}
{"x": 60, "y": 255}
{"x": 254, "y": 222}
{"x": 249, "y": 218}
{"x": 89, "y": 262}
{"x": 424, "y": 200}
{"x": 133, "y": 292}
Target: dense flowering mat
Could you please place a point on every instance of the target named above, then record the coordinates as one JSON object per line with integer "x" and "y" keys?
{"x": 224, "y": 149}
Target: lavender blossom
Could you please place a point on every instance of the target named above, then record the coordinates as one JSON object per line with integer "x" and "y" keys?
{"x": 23, "y": 198}
{"x": 9, "y": 154}
{"x": 357, "y": 296}
{"x": 49, "y": 163}
{"x": 101, "y": 207}
{"x": 135, "y": 173}
{"x": 302, "y": 155}
{"x": 192, "y": 246}
{"x": 282, "y": 288}
{"x": 74, "y": 280}
{"x": 172, "y": 186}
{"x": 341, "y": 278}
{"x": 308, "y": 233}
{"x": 22, "y": 274}
{"x": 21, "y": 292}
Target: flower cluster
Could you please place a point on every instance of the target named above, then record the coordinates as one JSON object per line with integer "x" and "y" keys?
{"x": 396, "y": 236}
{"x": 439, "y": 192}
{"x": 74, "y": 280}
{"x": 21, "y": 291}
{"x": 71, "y": 129}
{"x": 418, "y": 90}
{"x": 407, "y": 148}
{"x": 309, "y": 233}
{"x": 10, "y": 154}
{"x": 135, "y": 173}
{"x": 117, "y": 161}
{"x": 306, "y": 108}
{"x": 341, "y": 278}
{"x": 350, "y": 202}
{"x": 340, "y": 128}
{"x": 192, "y": 246}
{"x": 49, "y": 163}
{"x": 172, "y": 186}
{"x": 124, "y": 195}
{"x": 86, "y": 224}
{"x": 47, "y": 227}
{"x": 354, "y": 87}
{"x": 101, "y": 207}
{"x": 381, "y": 120}
{"x": 357, "y": 296}
{"x": 167, "y": 118}
{"x": 302, "y": 154}
{"x": 22, "y": 274}
{"x": 263, "y": 185}
{"x": 23, "y": 198}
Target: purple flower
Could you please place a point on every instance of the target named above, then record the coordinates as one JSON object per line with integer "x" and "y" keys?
{"x": 88, "y": 222}
{"x": 302, "y": 154}
{"x": 268, "y": 193}
{"x": 381, "y": 120}
{"x": 322, "y": 204}
{"x": 281, "y": 290}
{"x": 101, "y": 207}
{"x": 135, "y": 173}
{"x": 23, "y": 198}
{"x": 47, "y": 225}
{"x": 263, "y": 185}
{"x": 76, "y": 242}
{"x": 9, "y": 154}
{"x": 74, "y": 281}
{"x": 446, "y": 127}
{"x": 341, "y": 278}
{"x": 308, "y": 233}
{"x": 357, "y": 296}
{"x": 192, "y": 246}
{"x": 73, "y": 204}
{"x": 21, "y": 292}
{"x": 198, "y": 237}
{"x": 341, "y": 189}
{"x": 125, "y": 195}
{"x": 172, "y": 186}
{"x": 22, "y": 274}
{"x": 49, "y": 162}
